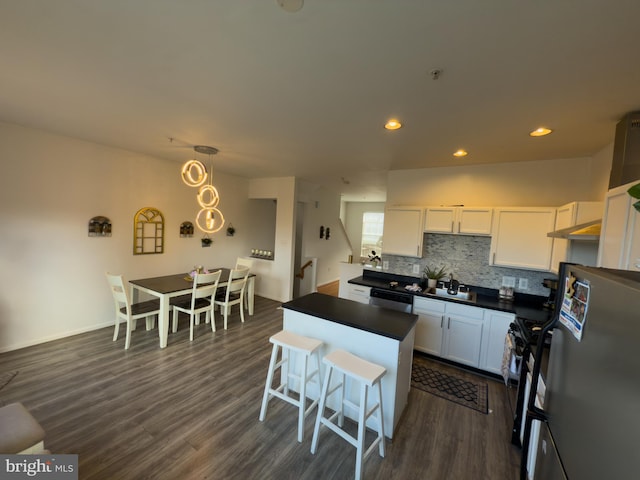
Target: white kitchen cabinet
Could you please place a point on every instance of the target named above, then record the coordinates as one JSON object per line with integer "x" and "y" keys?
{"x": 620, "y": 236}
{"x": 402, "y": 232}
{"x": 348, "y": 271}
{"x": 496, "y": 327}
{"x": 574, "y": 213}
{"x": 463, "y": 334}
{"x": 358, "y": 293}
{"x": 430, "y": 324}
{"x": 519, "y": 238}
{"x": 458, "y": 220}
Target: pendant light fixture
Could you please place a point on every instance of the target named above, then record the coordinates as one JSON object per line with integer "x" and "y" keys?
{"x": 194, "y": 174}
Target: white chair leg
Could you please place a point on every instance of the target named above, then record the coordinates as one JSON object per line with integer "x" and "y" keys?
{"x": 213, "y": 319}
{"x": 362, "y": 418}
{"x": 174, "y": 327}
{"x": 226, "y": 314}
{"x": 191, "y": 320}
{"x": 380, "y": 421}
{"x": 267, "y": 386}
{"x": 127, "y": 341}
{"x": 151, "y": 320}
{"x": 303, "y": 396}
{"x": 320, "y": 414}
{"x": 116, "y": 329}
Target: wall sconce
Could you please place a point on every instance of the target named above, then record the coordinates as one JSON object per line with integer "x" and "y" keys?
{"x": 325, "y": 232}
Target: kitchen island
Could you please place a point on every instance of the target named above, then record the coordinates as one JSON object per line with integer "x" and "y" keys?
{"x": 381, "y": 336}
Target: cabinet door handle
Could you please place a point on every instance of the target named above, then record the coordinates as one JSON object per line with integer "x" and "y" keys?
{"x": 448, "y": 323}
{"x": 441, "y": 321}
{"x": 452, "y": 223}
{"x": 459, "y": 224}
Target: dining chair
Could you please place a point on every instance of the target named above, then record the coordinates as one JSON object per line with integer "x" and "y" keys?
{"x": 201, "y": 300}
{"x": 244, "y": 262}
{"x": 233, "y": 293}
{"x": 248, "y": 263}
{"x": 127, "y": 311}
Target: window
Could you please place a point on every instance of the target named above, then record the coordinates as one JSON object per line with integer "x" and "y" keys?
{"x": 372, "y": 224}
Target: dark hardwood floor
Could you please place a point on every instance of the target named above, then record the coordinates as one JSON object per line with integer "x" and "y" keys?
{"x": 190, "y": 411}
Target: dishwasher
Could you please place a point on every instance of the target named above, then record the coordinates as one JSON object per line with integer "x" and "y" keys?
{"x": 400, "y": 301}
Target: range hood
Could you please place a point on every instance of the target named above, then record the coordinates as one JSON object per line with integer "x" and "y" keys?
{"x": 589, "y": 231}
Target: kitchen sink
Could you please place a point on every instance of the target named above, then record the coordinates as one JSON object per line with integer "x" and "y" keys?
{"x": 442, "y": 292}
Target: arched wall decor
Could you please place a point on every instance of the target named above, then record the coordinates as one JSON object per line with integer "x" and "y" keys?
{"x": 186, "y": 229}
{"x": 148, "y": 231}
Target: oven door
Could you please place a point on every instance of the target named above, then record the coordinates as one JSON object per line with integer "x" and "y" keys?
{"x": 400, "y": 301}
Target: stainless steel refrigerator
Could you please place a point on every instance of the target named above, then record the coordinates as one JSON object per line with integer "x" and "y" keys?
{"x": 591, "y": 414}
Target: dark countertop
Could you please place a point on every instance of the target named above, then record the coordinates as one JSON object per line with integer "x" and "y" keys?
{"x": 381, "y": 321}
{"x": 525, "y": 306}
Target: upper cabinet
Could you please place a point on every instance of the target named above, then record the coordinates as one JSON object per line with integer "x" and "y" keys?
{"x": 520, "y": 238}
{"x": 403, "y": 232}
{"x": 569, "y": 215}
{"x": 620, "y": 235}
{"x": 458, "y": 220}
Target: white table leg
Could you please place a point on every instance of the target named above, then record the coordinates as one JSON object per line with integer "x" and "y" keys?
{"x": 163, "y": 320}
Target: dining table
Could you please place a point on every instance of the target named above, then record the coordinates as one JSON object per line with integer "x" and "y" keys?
{"x": 170, "y": 286}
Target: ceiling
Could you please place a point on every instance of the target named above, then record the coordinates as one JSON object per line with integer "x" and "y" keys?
{"x": 306, "y": 94}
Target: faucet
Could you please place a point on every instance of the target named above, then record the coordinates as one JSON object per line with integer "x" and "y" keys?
{"x": 453, "y": 285}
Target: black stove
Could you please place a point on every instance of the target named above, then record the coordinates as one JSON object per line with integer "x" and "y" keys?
{"x": 525, "y": 334}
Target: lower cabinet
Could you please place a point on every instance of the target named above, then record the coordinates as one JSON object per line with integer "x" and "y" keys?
{"x": 429, "y": 327}
{"x": 464, "y": 334}
{"x": 497, "y": 324}
{"x": 358, "y": 293}
{"x": 449, "y": 330}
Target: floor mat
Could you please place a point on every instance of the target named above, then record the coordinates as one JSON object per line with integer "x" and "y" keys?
{"x": 439, "y": 380}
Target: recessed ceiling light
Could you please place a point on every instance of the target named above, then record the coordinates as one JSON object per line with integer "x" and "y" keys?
{"x": 392, "y": 124}
{"x": 541, "y": 132}
{"x": 460, "y": 153}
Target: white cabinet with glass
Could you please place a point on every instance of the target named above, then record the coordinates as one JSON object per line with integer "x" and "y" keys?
{"x": 519, "y": 238}
{"x": 403, "y": 231}
{"x": 458, "y": 220}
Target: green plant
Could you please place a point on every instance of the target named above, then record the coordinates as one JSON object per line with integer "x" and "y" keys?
{"x": 635, "y": 193}
{"x": 433, "y": 273}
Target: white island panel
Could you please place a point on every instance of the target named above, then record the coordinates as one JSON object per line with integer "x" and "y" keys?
{"x": 394, "y": 355}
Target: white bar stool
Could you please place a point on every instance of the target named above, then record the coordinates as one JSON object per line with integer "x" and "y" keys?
{"x": 305, "y": 347}
{"x": 369, "y": 375}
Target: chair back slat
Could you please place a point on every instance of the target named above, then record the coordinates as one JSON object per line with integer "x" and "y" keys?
{"x": 119, "y": 292}
{"x": 205, "y": 285}
{"x": 237, "y": 280}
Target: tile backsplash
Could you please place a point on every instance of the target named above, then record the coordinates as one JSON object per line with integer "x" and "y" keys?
{"x": 467, "y": 257}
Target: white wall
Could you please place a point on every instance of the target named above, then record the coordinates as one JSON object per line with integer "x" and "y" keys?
{"x": 540, "y": 183}
{"x": 275, "y": 278}
{"x": 322, "y": 208}
{"x": 52, "y": 283}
